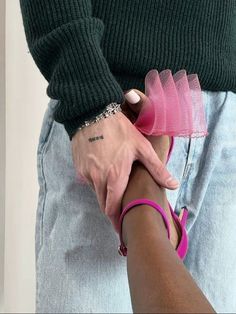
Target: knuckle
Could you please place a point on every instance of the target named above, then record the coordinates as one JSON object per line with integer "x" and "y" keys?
{"x": 149, "y": 146}
{"x": 81, "y": 178}
{"x": 109, "y": 201}
{"x": 95, "y": 176}
{"x": 111, "y": 177}
{"x": 161, "y": 168}
{"x": 146, "y": 150}
{"x": 107, "y": 211}
{"x": 80, "y": 175}
{"x": 100, "y": 202}
{"x": 140, "y": 150}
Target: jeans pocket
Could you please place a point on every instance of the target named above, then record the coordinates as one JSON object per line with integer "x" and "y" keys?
{"x": 45, "y": 138}
{"x": 46, "y": 128}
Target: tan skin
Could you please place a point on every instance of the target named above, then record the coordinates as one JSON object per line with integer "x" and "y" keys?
{"x": 159, "y": 282}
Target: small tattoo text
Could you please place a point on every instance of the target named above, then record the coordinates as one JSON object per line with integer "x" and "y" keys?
{"x": 96, "y": 138}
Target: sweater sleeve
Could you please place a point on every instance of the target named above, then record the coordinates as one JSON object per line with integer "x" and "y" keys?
{"x": 64, "y": 40}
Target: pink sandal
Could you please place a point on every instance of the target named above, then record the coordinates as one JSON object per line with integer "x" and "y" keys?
{"x": 180, "y": 221}
{"x": 182, "y": 247}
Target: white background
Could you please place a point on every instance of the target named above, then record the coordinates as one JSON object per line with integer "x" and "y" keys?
{"x": 2, "y": 144}
{"x": 24, "y": 106}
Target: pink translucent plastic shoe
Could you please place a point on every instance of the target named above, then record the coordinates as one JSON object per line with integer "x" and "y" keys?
{"x": 180, "y": 221}
{"x": 174, "y": 105}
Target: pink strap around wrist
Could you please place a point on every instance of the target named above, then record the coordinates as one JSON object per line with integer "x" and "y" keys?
{"x": 122, "y": 248}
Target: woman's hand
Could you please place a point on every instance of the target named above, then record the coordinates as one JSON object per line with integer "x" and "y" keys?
{"x": 103, "y": 153}
{"x": 141, "y": 183}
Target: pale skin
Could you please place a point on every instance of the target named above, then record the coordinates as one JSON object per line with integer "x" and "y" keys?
{"x": 158, "y": 280}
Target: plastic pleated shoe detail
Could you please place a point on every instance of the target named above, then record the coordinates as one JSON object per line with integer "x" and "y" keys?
{"x": 174, "y": 105}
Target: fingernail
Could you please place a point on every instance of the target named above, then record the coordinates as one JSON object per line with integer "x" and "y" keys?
{"x": 132, "y": 97}
{"x": 172, "y": 182}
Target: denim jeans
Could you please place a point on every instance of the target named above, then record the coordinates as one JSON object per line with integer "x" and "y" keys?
{"x": 78, "y": 267}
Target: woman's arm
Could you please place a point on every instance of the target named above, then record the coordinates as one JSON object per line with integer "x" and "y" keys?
{"x": 158, "y": 279}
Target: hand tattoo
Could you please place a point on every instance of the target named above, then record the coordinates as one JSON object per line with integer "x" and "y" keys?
{"x": 96, "y": 138}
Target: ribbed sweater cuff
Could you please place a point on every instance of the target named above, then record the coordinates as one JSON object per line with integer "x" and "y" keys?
{"x": 72, "y": 125}
{"x": 64, "y": 40}
{"x": 81, "y": 80}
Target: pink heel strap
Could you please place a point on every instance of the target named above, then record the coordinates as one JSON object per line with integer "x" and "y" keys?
{"x": 122, "y": 248}
{"x": 184, "y": 217}
{"x": 182, "y": 247}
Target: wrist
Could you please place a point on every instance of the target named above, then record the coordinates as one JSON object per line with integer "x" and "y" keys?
{"x": 109, "y": 110}
{"x": 142, "y": 185}
{"x": 141, "y": 223}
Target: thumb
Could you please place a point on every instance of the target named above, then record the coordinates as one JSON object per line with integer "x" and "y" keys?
{"x": 135, "y": 100}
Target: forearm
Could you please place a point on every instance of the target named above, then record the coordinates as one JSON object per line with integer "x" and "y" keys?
{"x": 159, "y": 281}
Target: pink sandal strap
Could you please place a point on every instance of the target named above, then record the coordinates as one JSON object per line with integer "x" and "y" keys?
{"x": 122, "y": 248}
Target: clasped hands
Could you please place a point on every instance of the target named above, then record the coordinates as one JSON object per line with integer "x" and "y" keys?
{"x": 107, "y": 162}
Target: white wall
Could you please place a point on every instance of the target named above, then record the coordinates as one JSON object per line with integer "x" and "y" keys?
{"x": 2, "y": 146}
{"x": 26, "y": 102}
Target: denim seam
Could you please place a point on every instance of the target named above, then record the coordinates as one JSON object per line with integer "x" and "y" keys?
{"x": 226, "y": 97}
{"x": 41, "y": 154}
{"x": 41, "y": 164}
{"x": 191, "y": 153}
{"x": 190, "y": 158}
{"x": 191, "y": 161}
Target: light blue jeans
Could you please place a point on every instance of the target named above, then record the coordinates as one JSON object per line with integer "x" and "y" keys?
{"x": 78, "y": 267}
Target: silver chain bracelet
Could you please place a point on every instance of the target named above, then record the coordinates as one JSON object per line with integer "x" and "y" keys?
{"x": 109, "y": 110}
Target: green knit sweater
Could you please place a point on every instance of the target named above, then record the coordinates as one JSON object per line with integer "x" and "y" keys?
{"x": 91, "y": 51}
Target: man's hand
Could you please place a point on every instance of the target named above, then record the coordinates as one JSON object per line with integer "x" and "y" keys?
{"x": 104, "y": 152}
